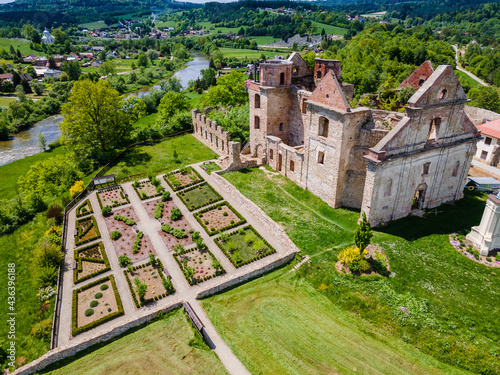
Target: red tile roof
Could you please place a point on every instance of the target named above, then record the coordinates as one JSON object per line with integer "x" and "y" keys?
{"x": 491, "y": 128}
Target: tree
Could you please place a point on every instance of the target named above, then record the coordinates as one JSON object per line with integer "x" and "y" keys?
{"x": 363, "y": 233}
{"x": 230, "y": 90}
{"x": 485, "y": 97}
{"x": 172, "y": 84}
{"x": 52, "y": 62}
{"x": 73, "y": 69}
{"x": 142, "y": 60}
{"x": 141, "y": 288}
{"x": 76, "y": 189}
{"x": 170, "y": 104}
{"x": 42, "y": 142}
{"x": 95, "y": 119}
{"x": 107, "y": 68}
{"x": 39, "y": 88}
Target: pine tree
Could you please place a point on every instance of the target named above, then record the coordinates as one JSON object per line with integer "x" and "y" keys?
{"x": 363, "y": 233}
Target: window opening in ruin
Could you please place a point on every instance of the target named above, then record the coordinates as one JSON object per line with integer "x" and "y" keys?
{"x": 418, "y": 200}
{"x": 487, "y": 141}
{"x": 321, "y": 157}
{"x": 280, "y": 162}
{"x": 455, "y": 169}
{"x": 271, "y": 154}
{"x": 426, "y": 168}
{"x": 222, "y": 144}
{"x": 281, "y": 127}
{"x": 282, "y": 78}
{"x": 323, "y": 126}
{"x": 257, "y": 101}
{"x": 443, "y": 94}
{"x": 484, "y": 155}
{"x": 433, "y": 129}
{"x": 292, "y": 166}
{"x": 295, "y": 71}
{"x": 256, "y": 122}
{"x": 388, "y": 188}
{"x": 421, "y": 82}
{"x": 216, "y": 141}
{"x": 211, "y": 138}
{"x": 304, "y": 106}
{"x": 318, "y": 74}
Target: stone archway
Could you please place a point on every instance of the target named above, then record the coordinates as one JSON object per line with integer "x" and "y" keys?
{"x": 418, "y": 199}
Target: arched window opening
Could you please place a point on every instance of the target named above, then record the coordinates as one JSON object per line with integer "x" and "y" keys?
{"x": 256, "y": 123}
{"x": 282, "y": 78}
{"x": 455, "y": 169}
{"x": 323, "y": 127}
{"x": 434, "y": 129}
{"x": 257, "y": 101}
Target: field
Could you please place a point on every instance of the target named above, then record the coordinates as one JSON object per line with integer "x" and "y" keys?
{"x": 330, "y": 30}
{"x": 93, "y": 25}
{"x": 447, "y": 292}
{"x": 162, "y": 347}
{"x": 22, "y": 44}
{"x": 158, "y": 157}
{"x": 265, "y": 39}
{"x": 245, "y": 53}
{"x": 4, "y": 102}
{"x": 466, "y": 78}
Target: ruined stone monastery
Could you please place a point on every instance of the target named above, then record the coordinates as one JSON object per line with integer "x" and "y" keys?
{"x": 388, "y": 164}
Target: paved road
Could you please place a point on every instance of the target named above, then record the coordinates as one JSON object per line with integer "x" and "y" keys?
{"x": 467, "y": 72}
{"x": 486, "y": 167}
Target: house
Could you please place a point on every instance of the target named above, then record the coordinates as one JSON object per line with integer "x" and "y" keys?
{"x": 6, "y": 77}
{"x": 59, "y": 58}
{"x": 29, "y": 59}
{"x": 112, "y": 55}
{"x": 97, "y": 63}
{"x": 98, "y": 49}
{"x": 488, "y": 148}
{"x": 52, "y": 73}
{"x": 72, "y": 58}
{"x": 40, "y": 70}
{"x": 26, "y": 77}
{"x": 41, "y": 61}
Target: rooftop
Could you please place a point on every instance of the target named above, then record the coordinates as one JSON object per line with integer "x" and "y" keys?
{"x": 491, "y": 128}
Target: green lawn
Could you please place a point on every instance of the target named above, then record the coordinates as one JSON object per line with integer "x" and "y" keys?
{"x": 4, "y": 102}
{"x": 158, "y": 157}
{"x": 466, "y": 78}
{"x": 199, "y": 196}
{"x": 161, "y": 347}
{"x": 265, "y": 39}
{"x": 163, "y": 25}
{"x": 10, "y": 173}
{"x": 22, "y": 44}
{"x": 330, "y": 30}
{"x": 245, "y": 53}
{"x": 93, "y": 25}
{"x": 446, "y": 293}
{"x": 146, "y": 121}
{"x": 243, "y": 247}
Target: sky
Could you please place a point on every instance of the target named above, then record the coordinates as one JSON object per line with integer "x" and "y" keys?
{"x": 6, "y": 1}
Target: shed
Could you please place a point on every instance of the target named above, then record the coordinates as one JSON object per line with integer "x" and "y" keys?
{"x": 483, "y": 184}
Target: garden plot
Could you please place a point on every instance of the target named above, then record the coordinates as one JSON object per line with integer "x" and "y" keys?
{"x": 199, "y": 196}
{"x": 86, "y": 230}
{"x": 182, "y": 178}
{"x": 113, "y": 197}
{"x": 217, "y": 218}
{"x": 84, "y": 209}
{"x": 148, "y": 188}
{"x": 91, "y": 261}
{"x": 124, "y": 236}
{"x": 244, "y": 246}
{"x": 147, "y": 283}
{"x": 94, "y": 304}
{"x": 198, "y": 265}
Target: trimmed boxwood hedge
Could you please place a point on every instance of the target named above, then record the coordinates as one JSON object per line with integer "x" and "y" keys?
{"x": 85, "y": 203}
{"x": 109, "y": 189}
{"x": 257, "y": 257}
{"x": 137, "y": 301}
{"x": 181, "y": 197}
{"x": 187, "y": 169}
{"x": 210, "y": 232}
{"x": 76, "y": 330}
{"x": 193, "y": 281}
{"x": 95, "y": 260}
{"x": 82, "y": 233}
{"x": 149, "y": 196}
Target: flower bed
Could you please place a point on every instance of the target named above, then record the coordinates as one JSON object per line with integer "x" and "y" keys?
{"x": 145, "y": 189}
{"x": 112, "y": 197}
{"x": 109, "y": 305}
{"x": 198, "y": 265}
{"x": 182, "y": 178}
{"x": 371, "y": 261}
{"x": 199, "y": 196}
{"x": 84, "y": 209}
{"x": 87, "y": 230}
{"x": 92, "y": 261}
{"x": 158, "y": 286}
{"x": 244, "y": 246}
{"x": 218, "y": 218}
{"x": 466, "y": 248}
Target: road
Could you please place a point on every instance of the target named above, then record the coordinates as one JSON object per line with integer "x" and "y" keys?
{"x": 465, "y": 71}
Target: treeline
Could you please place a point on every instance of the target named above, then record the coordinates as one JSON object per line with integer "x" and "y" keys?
{"x": 485, "y": 62}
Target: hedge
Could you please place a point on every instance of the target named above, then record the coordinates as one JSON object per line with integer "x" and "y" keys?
{"x": 187, "y": 169}
{"x": 211, "y": 233}
{"x": 74, "y": 313}
{"x": 181, "y": 197}
{"x": 257, "y": 257}
{"x": 85, "y": 203}
{"x": 109, "y": 189}
{"x": 194, "y": 281}
{"x": 79, "y": 260}
{"x": 83, "y": 233}
{"x": 149, "y": 196}
{"x": 137, "y": 301}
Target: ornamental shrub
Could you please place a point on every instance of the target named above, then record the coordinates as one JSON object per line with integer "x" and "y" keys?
{"x": 249, "y": 237}
{"x": 115, "y": 235}
{"x": 89, "y": 312}
{"x": 106, "y": 211}
{"x": 56, "y": 212}
{"x": 94, "y": 303}
{"x": 175, "y": 214}
{"x": 76, "y": 189}
{"x": 165, "y": 196}
{"x": 98, "y": 295}
{"x": 104, "y": 286}
{"x": 124, "y": 260}
{"x": 158, "y": 210}
{"x": 225, "y": 214}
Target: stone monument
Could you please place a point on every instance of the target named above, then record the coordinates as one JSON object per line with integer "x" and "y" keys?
{"x": 486, "y": 236}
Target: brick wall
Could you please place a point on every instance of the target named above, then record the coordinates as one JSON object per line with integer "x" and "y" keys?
{"x": 211, "y": 134}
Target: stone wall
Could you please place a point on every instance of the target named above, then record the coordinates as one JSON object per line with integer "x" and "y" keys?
{"x": 77, "y": 346}
{"x": 208, "y": 132}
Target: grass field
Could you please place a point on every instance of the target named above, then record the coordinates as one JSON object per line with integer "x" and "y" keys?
{"x": 93, "y": 25}
{"x": 466, "y": 78}
{"x": 265, "y": 39}
{"x": 163, "y": 25}
{"x": 161, "y": 347}
{"x": 330, "y": 30}
{"x": 22, "y": 44}
{"x": 4, "y": 102}
{"x": 158, "y": 157}
{"x": 447, "y": 292}
{"x": 245, "y": 53}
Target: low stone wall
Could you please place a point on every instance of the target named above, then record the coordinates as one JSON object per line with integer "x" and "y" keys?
{"x": 69, "y": 350}
{"x": 211, "y": 134}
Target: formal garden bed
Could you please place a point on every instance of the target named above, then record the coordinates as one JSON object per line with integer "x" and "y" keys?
{"x": 91, "y": 261}
{"x": 148, "y": 283}
{"x": 371, "y": 261}
{"x": 218, "y": 218}
{"x": 148, "y": 188}
{"x": 198, "y": 264}
{"x": 182, "y": 178}
{"x": 84, "y": 209}
{"x": 86, "y": 230}
{"x": 199, "y": 196}
{"x": 95, "y": 304}
{"x": 466, "y": 248}
{"x": 210, "y": 167}
{"x": 244, "y": 246}
{"x": 112, "y": 197}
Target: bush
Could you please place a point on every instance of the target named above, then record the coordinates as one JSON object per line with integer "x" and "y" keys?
{"x": 42, "y": 329}
{"x": 48, "y": 254}
{"x": 104, "y": 286}
{"x": 55, "y": 212}
{"x": 165, "y": 196}
{"x": 497, "y": 257}
{"x": 47, "y": 276}
{"x": 98, "y": 295}
{"x": 175, "y": 214}
{"x": 94, "y": 303}
{"x": 178, "y": 248}
{"x": 140, "y": 288}
{"x": 115, "y": 235}
{"x": 224, "y": 214}
{"x": 124, "y": 261}
{"x": 249, "y": 237}
{"x": 106, "y": 211}
{"x": 89, "y": 312}
{"x": 158, "y": 210}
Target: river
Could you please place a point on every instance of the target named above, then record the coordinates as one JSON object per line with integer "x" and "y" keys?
{"x": 25, "y": 143}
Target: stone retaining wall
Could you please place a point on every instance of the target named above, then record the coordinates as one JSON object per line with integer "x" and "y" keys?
{"x": 209, "y": 133}
{"x": 69, "y": 350}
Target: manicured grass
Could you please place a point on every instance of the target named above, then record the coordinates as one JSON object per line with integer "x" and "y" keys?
{"x": 211, "y": 167}
{"x": 4, "y": 102}
{"x": 22, "y": 45}
{"x": 465, "y": 77}
{"x": 245, "y": 53}
{"x": 265, "y": 39}
{"x": 10, "y": 173}
{"x": 280, "y": 324}
{"x": 161, "y": 347}
{"x": 330, "y": 30}
{"x": 244, "y": 246}
{"x": 199, "y": 196}
{"x": 447, "y": 292}
{"x": 158, "y": 156}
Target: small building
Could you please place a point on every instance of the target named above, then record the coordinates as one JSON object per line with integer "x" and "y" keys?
{"x": 483, "y": 184}
{"x": 41, "y": 61}
{"x": 52, "y": 73}
{"x": 6, "y": 77}
{"x": 59, "y": 58}
{"x": 488, "y": 148}
{"x": 47, "y": 38}
{"x": 97, "y": 63}
{"x": 26, "y": 77}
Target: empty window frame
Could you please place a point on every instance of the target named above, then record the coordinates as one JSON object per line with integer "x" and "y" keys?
{"x": 323, "y": 127}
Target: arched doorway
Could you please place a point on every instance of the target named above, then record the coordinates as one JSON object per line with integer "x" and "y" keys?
{"x": 418, "y": 199}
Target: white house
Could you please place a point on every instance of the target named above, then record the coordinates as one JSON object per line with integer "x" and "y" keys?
{"x": 52, "y": 73}
{"x": 488, "y": 148}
